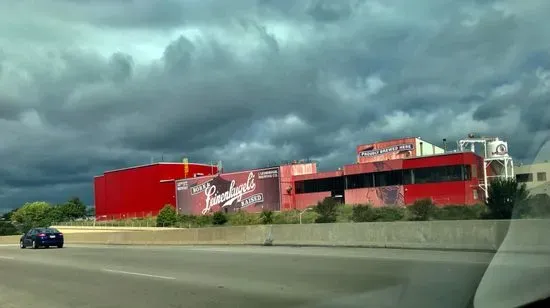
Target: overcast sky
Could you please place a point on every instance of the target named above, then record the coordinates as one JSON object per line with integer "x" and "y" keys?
{"x": 87, "y": 86}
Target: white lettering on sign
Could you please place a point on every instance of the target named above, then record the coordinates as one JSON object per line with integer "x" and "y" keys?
{"x": 397, "y": 148}
{"x": 235, "y": 193}
{"x": 257, "y": 198}
{"x": 200, "y": 188}
{"x": 183, "y": 185}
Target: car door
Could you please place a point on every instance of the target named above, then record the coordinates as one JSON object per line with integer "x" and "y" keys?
{"x": 28, "y": 237}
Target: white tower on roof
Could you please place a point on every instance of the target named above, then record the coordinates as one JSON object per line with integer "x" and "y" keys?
{"x": 497, "y": 163}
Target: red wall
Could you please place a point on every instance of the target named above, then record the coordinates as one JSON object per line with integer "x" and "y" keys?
{"x": 441, "y": 193}
{"x": 446, "y": 193}
{"x": 374, "y": 167}
{"x": 140, "y": 191}
{"x": 288, "y": 175}
{"x": 303, "y": 201}
{"x": 99, "y": 195}
{"x": 316, "y": 176}
{"x": 285, "y": 181}
{"x": 376, "y": 196}
{"x": 441, "y": 160}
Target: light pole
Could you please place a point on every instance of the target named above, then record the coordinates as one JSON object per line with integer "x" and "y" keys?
{"x": 302, "y": 212}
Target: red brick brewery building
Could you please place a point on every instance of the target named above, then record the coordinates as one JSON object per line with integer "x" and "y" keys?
{"x": 388, "y": 173}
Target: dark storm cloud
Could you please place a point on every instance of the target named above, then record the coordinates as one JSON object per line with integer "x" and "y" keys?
{"x": 110, "y": 84}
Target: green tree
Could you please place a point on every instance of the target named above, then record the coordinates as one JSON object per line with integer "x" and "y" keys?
{"x": 167, "y": 217}
{"x": 90, "y": 211}
{"x": 7, "y": 228}
{"x": 74, "y": 208}
{"x": 327, "y": 210}
{"x": 57, "y": 214}
{"x": 507, "y": 198}
{"x": 7, "y": 216}
{"x": 32, "y": 215}
{"x": 219, "y": 218}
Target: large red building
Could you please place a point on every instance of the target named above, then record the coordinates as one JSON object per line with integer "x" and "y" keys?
{"x": 143, "y": 190}
{"x": 395, "y": 172}
{"x": 445, "y": 178}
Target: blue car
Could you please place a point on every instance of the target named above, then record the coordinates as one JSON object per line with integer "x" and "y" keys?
{"x": 42, "y": 237}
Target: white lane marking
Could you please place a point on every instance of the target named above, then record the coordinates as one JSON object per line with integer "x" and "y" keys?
{"x": 137, "y": 274}
{"x": 7, "y": 258}
{"x": 8, "y": 245}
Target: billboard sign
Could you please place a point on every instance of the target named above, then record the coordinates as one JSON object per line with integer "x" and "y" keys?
{"x": 391, "y": 149}
{"x": 253, "y": 190}
{"x": 387, "y": 150}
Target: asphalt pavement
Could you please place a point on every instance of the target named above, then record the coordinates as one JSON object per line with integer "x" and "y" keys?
{"x": 208, "y": 276}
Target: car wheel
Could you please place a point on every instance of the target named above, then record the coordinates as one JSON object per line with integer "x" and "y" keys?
{"x": 34, "y": 245}
{"x": 21, "y": 245}
{"x": 47, "y": 246}
{"x": 60, "y": 246}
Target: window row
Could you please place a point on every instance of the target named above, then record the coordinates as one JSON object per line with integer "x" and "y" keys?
{"x": 387, "y": 178}
{"x": 528, "y": 177}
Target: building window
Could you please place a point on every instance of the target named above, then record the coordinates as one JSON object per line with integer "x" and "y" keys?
{"x": 524, "y": 177}
{"x": 439, "y": 174}
{"x": 299, "y": 187}
{"x": 467, "y": 172}
{"x": 408, "y": 176}
{"x": 319, "y": 185}
{"x": 360, "y": 180}
{"x": 388, "y": 178}
{"x": 541, "y": 176}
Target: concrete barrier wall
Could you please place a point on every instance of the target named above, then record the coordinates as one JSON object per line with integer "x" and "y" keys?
{"x": 12, "y": 239}
{"x": 87, "y": 229}
{"x": 529, "y": 235}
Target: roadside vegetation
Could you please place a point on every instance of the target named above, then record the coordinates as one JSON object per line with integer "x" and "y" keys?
{"x": 507, "y": 200}
{"x": 39, "y": 214}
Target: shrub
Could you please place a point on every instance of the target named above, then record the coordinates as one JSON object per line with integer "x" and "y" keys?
{"x": 390, "y": 213}
{"x": 507, "y": 198}
{"x": 327, "y": 210}
{"x": 460, "y": 212}
{"x": 243, "y": 218}
{"x": 167, "y": 217}
{"x": 219, "y": 218}
{"x": 422, "y": 209}
{"x": 366, "y": 213}
{"x": 287, "y": 217}
{"x": 363, "y": 213}
{"x": 344, "y": 213}
{"x": 266, "y": 217}
{"x": 293, "y": 217}
{"x": 204, "y": 220}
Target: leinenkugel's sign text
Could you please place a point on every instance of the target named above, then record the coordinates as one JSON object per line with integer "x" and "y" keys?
{"x": 237, "y": 190}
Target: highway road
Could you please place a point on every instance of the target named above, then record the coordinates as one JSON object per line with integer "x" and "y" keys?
{"x": 208, "y": 276}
